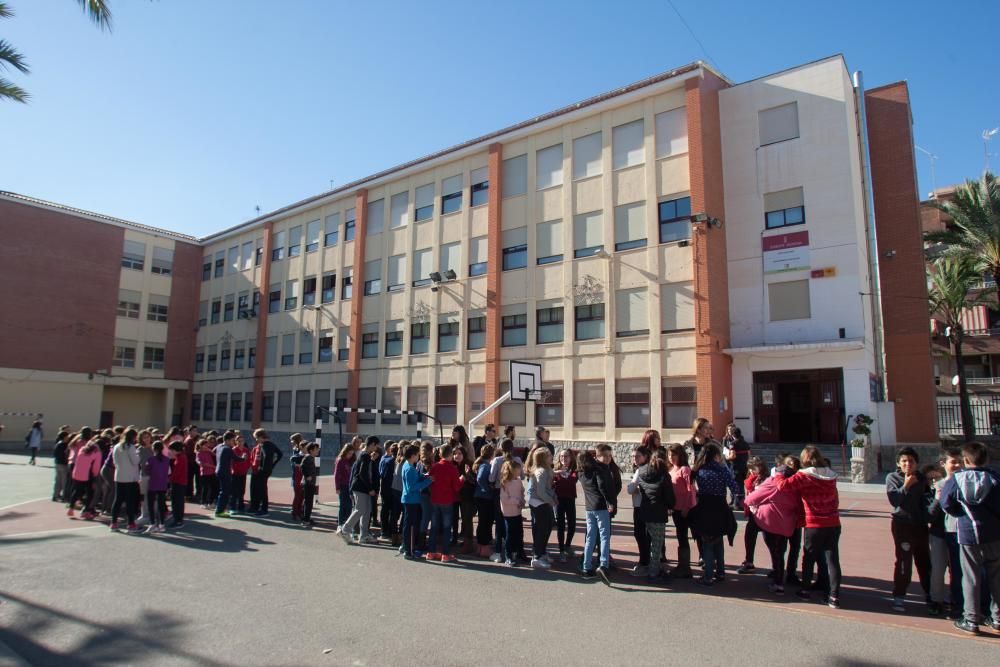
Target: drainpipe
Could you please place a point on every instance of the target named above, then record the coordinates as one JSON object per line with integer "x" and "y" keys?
{"x": 874, "y": 278}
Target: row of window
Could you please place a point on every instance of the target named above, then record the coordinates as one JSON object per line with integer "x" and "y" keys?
{"x": 134, "y": 257}
{"x": 130, "y": 304}
{"x": 678, "y": 404}
{"x": 124, "y": 355}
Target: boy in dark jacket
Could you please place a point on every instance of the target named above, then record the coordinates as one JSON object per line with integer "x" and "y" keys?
{"x": 60, "y": 457}
{"x": 363, "y": 485}
{"x": 907, "y": 492}
{"x": 657, "y": 492}
{"x": 973, "y": 495}
{"x": 310, "y": 472}
{"x": 599, "y": 497}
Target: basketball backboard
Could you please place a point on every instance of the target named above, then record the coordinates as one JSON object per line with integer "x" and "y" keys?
{"x": 525, "y": 381}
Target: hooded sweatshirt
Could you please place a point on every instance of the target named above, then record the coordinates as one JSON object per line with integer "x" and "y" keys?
{"x": 158, "y": 469}
{"x": 88, "y": 463}
{"x": 126, "y": 460}
{"x": 817, "y": 487}
{"x": 973, "y": 495}
{"x": 777, "y": 511}
{"x": 657, "y": 494}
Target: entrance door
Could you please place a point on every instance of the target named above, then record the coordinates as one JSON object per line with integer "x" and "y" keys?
{"x": 799, "y": 406}
{"x": 765, "y": 397}
{"x": 795, "y": 404}
{"x": 831, "y": 420}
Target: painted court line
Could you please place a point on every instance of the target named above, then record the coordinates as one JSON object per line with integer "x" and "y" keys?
{"x": 23, "y": 502}
{"x": 51, "y": 532}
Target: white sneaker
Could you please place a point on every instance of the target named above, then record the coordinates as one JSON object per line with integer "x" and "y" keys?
{"x": 539, "y": 564}
{"x": 150, "y": 530}
{"x": 496, "y": 557}
{"x": 347, "y": 538}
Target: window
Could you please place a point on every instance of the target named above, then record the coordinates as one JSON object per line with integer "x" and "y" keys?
{"x": 515, "y": 176}
{"x": 220, "y": 407}
{"x": 376, "y": 217}
{"x": 784, "y": 208}
{"x": 394, "y": 338}
{"x": 588, "y": 235}
{"x": 451, "y": 258}
{"x": 246, "y": 256}
{"x": 235, "y": 409}
{"x": 287, "y": 349}
{"x": 587, "y": 156}
{"x": 630, "y": 226}
{"x": 549, "y": 167}
{"x": 278, "y": 250}
{"x": 239, "y": 356}
{"x": 270, "y": 351}
{"x": 392, "y": 399}
{"x": 156, "y": 309}
{"x": 549, "y": 239}
{"x": 312, "y": 236}
{"x": 676, "y": 307}
{"x": 588, "y": 403}
{"x": 134, "y": 255}
{"x": 420, "y": 336}
{"x": 373, "y": 277}
{"x": 627, "y": 145}
{"x": 549, "y": 325}
{"x": 514, "y": 329}
{"x": 475, "y": 400}
{"x": 632, "y": 403}
{"x": 422, "y": 267}
{"x": 206, "y": 269}
{"x": 631, "y": 318}
{"x": 480, "y": 191}
{"x": 163, "y": 261}
{"x": 331, "y": 229}
{"x": 203, "y": 313}
{"x": 675, "y": 219}
{"x": 549, "y": 410}
{"x": 671, "y": 132}
{"x": 446, "y": 403}
{"x": 233, "y": 260}
{"x": 243, "y": 305}
{"x": 309, "y": 292}
{"x": 478, "y": 249}
{"x": 329, "y": 287}
{"x": 512, "y": 413}
{"x": 366, "y": 399}
{"x": 306, "y": 348}
{"x": 195, "y": 407}
{"x": 515, "y": 248}
{"x": 424, "y": 203}
{"x": 213, "y": 358}
{"x": 225, "y": 356}
{"x": 340, "y": 399}
{"x": 679, "y": 403}
{"x": 274, "y": 298}
{"x": 220, "y": 263}
{"x": 399, "y": 210}
{"x": 779, "y": 123}
{"x": 321, "y": 397}
{"x": 291, "y": 294}
{"x": 789, "y": 300}
{"x": 347, "y": 284}
{"x": 258, "y": 255}
{"x": 451, "y": 194}
{"x": 295, "y": 241}
{"x": 349, "y": 225}
{"x": 345, "y": 344}
{"x": 267, "y": 406}
{"x": 199, "y": 360}
{"x": 477, "y": 333}
{"x": 303, "y": 411}
{"x": 216, "y": 310}
{"x": 369, "y": 344}
{"x": 397, "y": 273}
{"x": 124, "y": 354}
{"x": 208, "y": 407}
{"x": 229, "y": 309}
{"x": 448, "y": 334}
{"x": 252, "y": 355}
{"x": 248, "y": 406}
{"x": 129, "y": 303}
{"x": 325, "y": 346}
{"x": 416, "y": 401}
{"x": 590, "y": 321}
{"x": 285, "y": 406}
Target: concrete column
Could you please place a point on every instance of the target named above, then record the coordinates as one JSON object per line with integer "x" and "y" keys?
{"x": 357, "y": 300}
{"x": 494, "y": 267}
{"x": 168, "y": 407}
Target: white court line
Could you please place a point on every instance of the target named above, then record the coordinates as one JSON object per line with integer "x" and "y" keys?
{"x": 24, "y": 502}
{"x": 50, "y": 532}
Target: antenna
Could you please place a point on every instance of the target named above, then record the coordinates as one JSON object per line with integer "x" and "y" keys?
{"x": 331, "y": 184}
{"x": 987, "y": 135}
{"x": 933, "y": 158}
{"x": 257, "y": 208}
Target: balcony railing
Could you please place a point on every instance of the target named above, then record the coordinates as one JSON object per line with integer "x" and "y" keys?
{"x": 982, "y": 380}
{"x": 995, "y": 331}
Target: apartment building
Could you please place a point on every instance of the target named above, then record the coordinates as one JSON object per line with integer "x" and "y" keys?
{"x": 679, "y": 247}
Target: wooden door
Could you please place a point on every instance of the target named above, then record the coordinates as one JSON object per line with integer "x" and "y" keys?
{"x": 830, "y": 409}
{"x": 765, "y": 399}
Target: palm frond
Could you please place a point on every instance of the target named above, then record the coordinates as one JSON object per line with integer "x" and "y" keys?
{"x": 949, "y": 236}
{"x": 9, "y": 91}
{"x": 9, "y": 57}
{"x": 5, "y": 11}
{"x": 98, "y": 11}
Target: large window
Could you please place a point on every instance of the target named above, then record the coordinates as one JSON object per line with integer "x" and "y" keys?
{"x": 588, "y": 234}
{"x": 399, "y": 210}
{"x": 549, "y": 325}
{"x": 312, "y": 236}
{"x": 202, "y": 313}
{"x": 515, "y": 329}
{"x": 512, "y": 413}
{"x": 344, "y": 348}
{"x": 157, "y": 308}
{"x": 195, "y": 407}
{"x": 220, "y": 263}
{"x": 549, "y": 410}
{"x": 248, "y": 406}
{"x": 208, "y": 407}
{"x": 675, "y": 219}
{"x": 549, "y": 167}
{"x": 278, "y": 247}
{"x": 549, "y": 241}
{"x": 392, "y": 399}
{"x": 376, "y": 217}
{"x": 216, "y": 310}
{"x": 285, "y": 407}
{"x": 309, "y": 291}
{"x": 199, "y": 360}
{"x": 373, "y": 277}
{"x": 478, "y": 249}
{"x": 631, "y": 314}
{"x": 397, "y": 273}
{"x": 671, "y": 132}
{"x": 477, "y": 332}
{"x": 331, "y": 230}
{"x": 220, "y": 406}
{"x": 789, "y": 300}
{"x": 233, "y": 260}
{"x": 480, "y": 190}
{"x": 515, "y": 248}
{"x": 515, "y": 176}
{"x": 424, "y": 203}
{"x": 676, "y": 307}
{"x": 291, "y": 294}
{"x": 239, "y": 356}
{"x": 329, "y": 287}
{"x": 288, "y": 349}
{"x": 587, "y": 156}
{"x": 679, "y": 403}
{"x": 784, "y": 208}
{"x": 347, "y": 284}
{"x": 213, "y": 358}
{"x": 422, "y": 267}
{"x": 235, "y": 407}
{"x": 129, "y": 303}
{"x": 778, "y": 123}
{"x": 123, "y": 355}
{"x": 451, "y": 258}
{"x": 366, "y": 399}
{"x": 163, "y": 261}
{"x": 246, "y": 256}
{"x": 270, "y": 351}
{"x": 446, "y": 403}
{"x": 448, "y": 334}
{"x": 321, "y": 397}
{"x": 134, "y": 255}
{"x": 225, "y": 357}
{"x": 632, "y": 403}
{"x": 627, "y": 145}
{"x": 303, "y": 410}
{"x": 326, "y": 346}
{"x": 273, "y": 299}
{"x": 206, "y": 269}
{"x": 420, "y": 337}
{"x": 267, "y": 406}
{"x": 416, "y": 401}
{"x": 590, "y": 321}
{"x": 394, "y": 338}
{"x": 630, "y": 226}
{"x": 229, "y": 308}
{"x": 350, "y": 225}
{"x": 588, "y": 403}
{"x": 475, "y": 401}
{"x": 295, "y": 241}
{"x": 451, "y": 194}
{"x": 369, "y": 345}
{"x": 306, "y": 348}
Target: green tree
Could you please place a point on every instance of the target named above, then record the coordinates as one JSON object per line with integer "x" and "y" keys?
{"x": 975, "y": 232}
{"x": 951, "y": 290}
{"x": 97, "y": 10}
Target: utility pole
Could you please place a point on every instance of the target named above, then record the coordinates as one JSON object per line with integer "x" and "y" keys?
{"x": 933, "y": 158}
{"x": 987, "y": 135}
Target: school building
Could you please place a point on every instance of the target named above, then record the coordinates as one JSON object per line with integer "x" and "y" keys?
{"x": 682, "y": 246}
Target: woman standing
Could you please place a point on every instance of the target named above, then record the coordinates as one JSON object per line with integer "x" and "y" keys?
{"x": 565, "y": 487}
{"x": 701, "y": 435}
{"x": 640, "y": 457}
{"x": 542, "y": 501}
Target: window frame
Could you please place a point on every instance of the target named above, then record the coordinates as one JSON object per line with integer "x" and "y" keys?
{"x": 589, "y": 316}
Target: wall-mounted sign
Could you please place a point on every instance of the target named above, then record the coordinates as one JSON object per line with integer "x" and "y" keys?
{"x": 828, "y": 272}
{"x": 786, "y": 252}
{"x": 767, "y": 397}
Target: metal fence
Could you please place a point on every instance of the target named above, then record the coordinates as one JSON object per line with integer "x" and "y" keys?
{"x": 985, "y": 416}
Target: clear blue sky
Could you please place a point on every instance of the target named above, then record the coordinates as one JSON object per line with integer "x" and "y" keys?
{"x": 192, "y": 112}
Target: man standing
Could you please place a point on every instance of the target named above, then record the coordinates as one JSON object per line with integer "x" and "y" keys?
{"x": 269, "y": 456}
{"x": 190, "y": 440}
{"x": 363, "y": 490}
{"x": 489, "y": 437}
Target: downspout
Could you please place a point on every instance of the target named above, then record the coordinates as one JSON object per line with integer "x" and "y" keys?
{"x": 874, "y": 277}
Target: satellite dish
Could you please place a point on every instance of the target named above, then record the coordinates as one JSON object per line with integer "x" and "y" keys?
{"x": 954, "y": 381}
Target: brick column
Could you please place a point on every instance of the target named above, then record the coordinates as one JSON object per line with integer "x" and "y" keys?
{"x": 494, "y": 264}
{"x": 357, "y": 298}
{"x": 264, "y": 287}
{"x": 711, "y": 280}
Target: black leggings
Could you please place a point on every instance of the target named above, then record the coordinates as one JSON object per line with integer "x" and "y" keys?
{"x": 641, "y": 537}
{"x": 83, "y": 491}
{"x": 750, "y": 538}
{"x": 484, "y": 531}
{"x": 776, "y": 545}
{"x": 794, "y": 548}
{"x": 566, "y": 522}
{"x": 209, "y": 489}
{"x": 177, "y": 495}
{"x": 682, "y": 528}
{"x": 308, "y": 494}
{"x": 822, "y": 546}
{"x": 126, "y": 493}
{"x": 541, "y": 529}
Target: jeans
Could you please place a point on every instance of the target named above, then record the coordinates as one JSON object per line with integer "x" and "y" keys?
{"x": 542, "y": 518}
{"x": 484, "y": 530}
{"x": 939, "y": 564}
{"x": 513, "y": 544}
{"x": 178, "y": 492}
{"x": 912, "y": 548}
{"x": 750, "y": 534}
{"x": 411, "y": 522}
{"x": 655, "y": 533}
{"x": 598, "y": 523}
{"x": 425, "y": 517}
{"x": 59, "y": 489}
{"x": 566, "y": 522}
{"x": 955, "y": 566}
{"x": 440, "y": 539}
{"x": 346, "y": 506}
{"x": 156, "y": 507}
{"x": 980, "y": 565}
{"x": 362, "y": 515}
{"x": 641, "y": 538}
{"x": 126, "y": 493}
{"x": 298, "y": 496}
{"x": 822, "y": 546}
{"x": 714, "y": 556}
{"x": 225, "y": 484}
{"x": 466, "y": 509}
{"x": 776, "y": 545}
{"x": 682, "y": 528}
{"x": 308, "y": 495}
{"x": 237, "y": 493}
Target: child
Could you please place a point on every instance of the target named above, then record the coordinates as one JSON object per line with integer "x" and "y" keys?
{"x": 465, "y": 505}
{"x": 309, "y": 474}
{"x": 565, "y": 486}
{"x": 60, "y": 454}
{"x": 938, "y": 599}
{"x": 599, "y": 501}
{"x": 758, "y": 472}
{"x": 657, "y": 492}
{"x": 206, "y": 472}
{"x": 713, "y": 519}
{"x": 428, "y": 458}
{"x": 363, "y": 489}
{"x": 298, "y": 453}
{"x": 952, "y": 463}
{"x": 483, "y": 497}
{"x": 157, "y": 469}
{"x": 178, "y": 482}
{"x": 907, "y": 491}
{"x": 792, "y": 465}
{"x": 778, "y": 514}
{"x": 126, "y": 463}
{"x": 397, "y": 493}
{"x": 86, "y": 467}
{"x": 511, "y": 504}
{"x": 685, "y": 498}
{"x": 640, "y": 457}
{"x": 542, "y": 501}
{"x": 414, "y": 482}
{"x": 500, "y": 456}
{"x": 342, "y": 482}
{"x": 386, "y": 473}
{"x": 444, "y": 492}
{"x": 241, "y": 467}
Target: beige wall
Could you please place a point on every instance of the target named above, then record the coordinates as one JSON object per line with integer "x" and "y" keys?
{"x": 63, "y": 398}
{"x": 138, "y": 407}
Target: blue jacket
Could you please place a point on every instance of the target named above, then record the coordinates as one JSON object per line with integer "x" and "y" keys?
{"x": 973, "y": 495}
{"x": 386, "y": 471}
{"x": 483, "y": 487}
{"x": 413, "y": 484}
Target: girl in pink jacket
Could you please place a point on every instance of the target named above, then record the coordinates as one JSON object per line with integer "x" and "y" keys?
{"x": 86, "y": 467}
{"x": 778, "y": 512}
{"x": 685, "y": 497}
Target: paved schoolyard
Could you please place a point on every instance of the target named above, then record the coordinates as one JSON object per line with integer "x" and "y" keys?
{"x": 266, "y": 592}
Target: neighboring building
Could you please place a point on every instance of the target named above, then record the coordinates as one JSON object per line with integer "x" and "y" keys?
{"x": 682, "y": 246}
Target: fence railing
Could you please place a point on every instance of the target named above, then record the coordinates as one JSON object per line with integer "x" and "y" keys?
{"x": 985, "y": 416}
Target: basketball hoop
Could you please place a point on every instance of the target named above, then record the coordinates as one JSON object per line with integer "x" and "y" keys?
{"x": 525, "y": 381}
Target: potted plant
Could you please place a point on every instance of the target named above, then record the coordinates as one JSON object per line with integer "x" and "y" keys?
{"x": 857, "y": 448}
{"x": 862, "y": 429}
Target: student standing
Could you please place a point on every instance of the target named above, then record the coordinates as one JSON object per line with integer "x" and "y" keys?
{"x": 178, "y": 483}
{"x": 270, "y": 456}
{"x": 489, "y": 437}
{"x": 542, "y": 501}
{"x": 443, "y": 493}
{"x": 33, "y": 440}
{"x": 758, "y": 474}
{"x": 712, "y": 518}
{"x": 511, "y": 505}
{"x": 295, "y": 460}
{"x": 907, "y": 491}
{"x": 701, "y": 435}
{"x": 414, "y": 483}
{"x": 565, "y": 479}
{"x": 389, "y": 519}
{"x": 241, "y": 467}
{"x": 657, "y": 491}
{"x": 310, "y": 473}
{"x": 85, "y": 471}
{"x": 342, "y": 483}
{"x": 685, "y": 498}
{"x": 157, "y": 468}
{"x": 191, "y": 452}
{"x": 465, "y": 505}
{"x": 363, "y": 488}
{"x": 483, "y": 498}
{"x": 60, "y": 458}
{"x": 952, "y": 463}
{"x": 206, "y": 473}
{"x": 640, "y": 457}
{"x": 595, "y": 478}
{"x": 224, "y": 473}
{"x": 778, "y": 514}
{"x": 126, "y": 461}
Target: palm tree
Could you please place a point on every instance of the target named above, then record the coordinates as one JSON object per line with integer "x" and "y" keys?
{"x": 975, "y": 214}
{"x": 97, "y": 10}
{"x": 952, "y": 289}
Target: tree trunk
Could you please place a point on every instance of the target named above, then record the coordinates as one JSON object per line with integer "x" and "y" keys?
{"x": 968, "y": 423}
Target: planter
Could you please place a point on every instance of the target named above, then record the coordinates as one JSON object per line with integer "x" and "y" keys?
{"x": 857, "y": 452}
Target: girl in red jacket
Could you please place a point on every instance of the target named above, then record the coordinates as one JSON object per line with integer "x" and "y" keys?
{"x": 758, "y": 472}
{"x": 816, "y": 485}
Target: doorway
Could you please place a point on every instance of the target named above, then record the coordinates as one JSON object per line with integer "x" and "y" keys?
{"x": 799, "y": 406}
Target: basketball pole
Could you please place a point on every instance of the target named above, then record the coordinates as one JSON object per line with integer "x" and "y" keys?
{"x": 489, "y": 409}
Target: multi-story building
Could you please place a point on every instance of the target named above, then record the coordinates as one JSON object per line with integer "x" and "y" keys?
{"x": 682, "y": 246}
